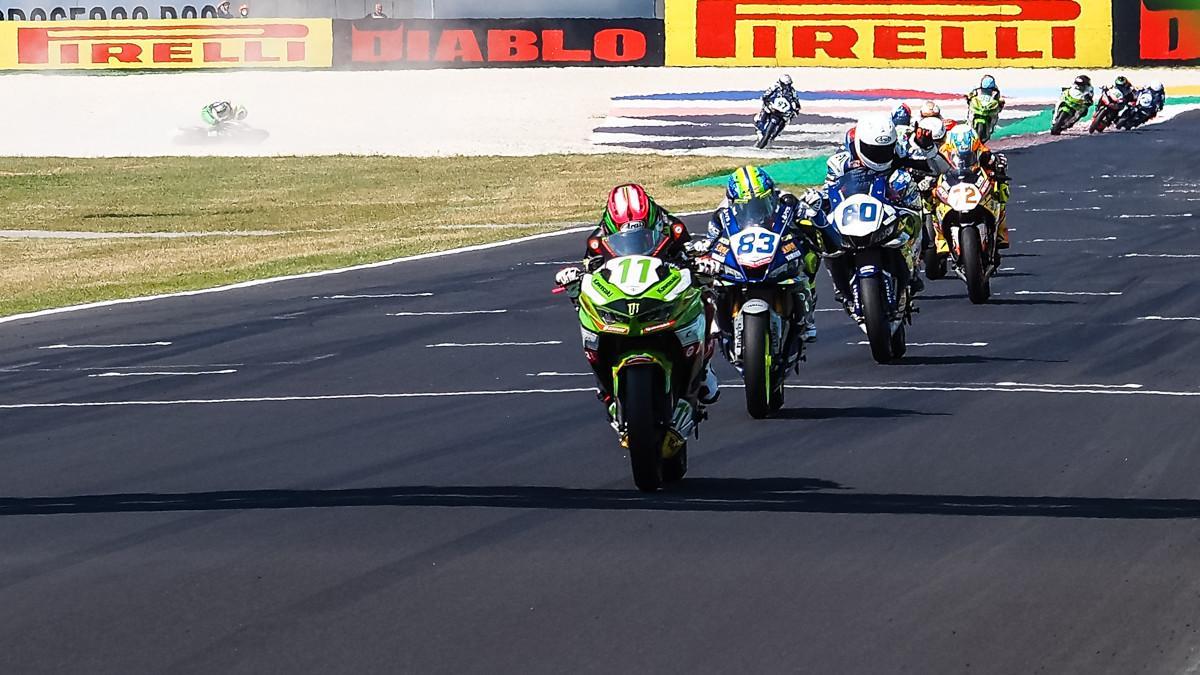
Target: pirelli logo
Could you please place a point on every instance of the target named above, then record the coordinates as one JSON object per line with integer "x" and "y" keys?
{"x": 924, "y": 33}
{"x": 283, "y": 43}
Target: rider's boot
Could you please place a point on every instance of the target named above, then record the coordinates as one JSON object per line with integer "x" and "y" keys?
{"x": 710, "y": 388}
{"x": 1002, "y": 226}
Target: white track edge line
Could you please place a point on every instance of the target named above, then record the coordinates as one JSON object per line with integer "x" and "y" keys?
{"x": 290, "y": 277}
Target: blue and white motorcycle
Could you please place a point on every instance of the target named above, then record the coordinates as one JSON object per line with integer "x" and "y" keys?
{"x": 762, "y": 297}
{"x": 772, "y": 120}
{"x": 872, "y": 260}
{"x": 1139, "y": 112}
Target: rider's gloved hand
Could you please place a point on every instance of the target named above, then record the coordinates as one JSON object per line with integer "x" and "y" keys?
{"x": 812, "y": 197}
{"x": 706, "y": 267}
{"x": 926, "y": 184}
{"x": 1000, "y": 162}
{"x": 568, "y": 276}
{"x": 697, "y": 248}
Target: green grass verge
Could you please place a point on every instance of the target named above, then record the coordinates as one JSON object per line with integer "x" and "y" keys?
{"x": 324, "y": 212}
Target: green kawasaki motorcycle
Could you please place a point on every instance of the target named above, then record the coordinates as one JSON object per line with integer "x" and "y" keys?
{"x": 644, "y": 324}
{"x": 985, "y": 113}
{"x": 1072, "y": 107}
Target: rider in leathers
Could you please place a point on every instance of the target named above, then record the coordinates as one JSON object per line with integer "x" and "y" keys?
{"x": 782, "y": 88}
{"x": 748, "y": 183}
{"x": 876, "y": 152}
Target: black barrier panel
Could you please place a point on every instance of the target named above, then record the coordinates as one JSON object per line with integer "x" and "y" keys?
{"x": 1156, "y": 33}
{"x": 366, "y": 44}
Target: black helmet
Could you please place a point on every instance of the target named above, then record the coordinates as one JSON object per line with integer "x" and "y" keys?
{"x": 1122, "y": 82}
{"x": 1083, "y": 81}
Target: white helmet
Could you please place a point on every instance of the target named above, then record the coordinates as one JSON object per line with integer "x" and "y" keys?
{"x": 933, "y": 128}
{"x": 875, "y": 142}
{"x": 930, "y": 109}
{"x": 785, "y": 80}
{"x": 1156, "y": 87}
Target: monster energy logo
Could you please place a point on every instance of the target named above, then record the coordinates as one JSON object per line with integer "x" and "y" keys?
{"x": 634, "y": 307}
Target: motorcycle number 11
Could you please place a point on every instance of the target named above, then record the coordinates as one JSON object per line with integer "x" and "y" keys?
{"x": 633, "y": 274}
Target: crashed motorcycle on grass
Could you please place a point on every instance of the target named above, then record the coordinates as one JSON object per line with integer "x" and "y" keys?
{"x": 762, "y": 297}
{"x": 872, "y": 251}
{"x": 772, "y": 120}
{"x": 644, "y": 321}
{"x": 967, "y": 217}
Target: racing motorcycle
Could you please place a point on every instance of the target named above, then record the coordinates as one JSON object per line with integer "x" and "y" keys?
{"x": 759, "y": 303}
{"x": 644, "y": 320}
{"x": 774, "y": 117}
{"x": 1071, "y": 108}
{"x": 226, "y": 133}
{"x": 985, "y": 113}
{"x": 968, "y": 214}
{"x": 872, "y": 243}
{"x": 1108, "y": 108}
{"x": 1138, "y": 113}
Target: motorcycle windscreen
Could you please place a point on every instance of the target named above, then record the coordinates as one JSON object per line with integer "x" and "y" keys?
{"x": 758, "y": 212}
{"x": 965, "y": 164}
{"x": 640, "y": 241}
{"x": 859, "y": 182}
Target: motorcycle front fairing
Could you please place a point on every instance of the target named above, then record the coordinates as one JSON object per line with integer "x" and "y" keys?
{"x": 871, "y": 236}
{"x": 760, "y": 257}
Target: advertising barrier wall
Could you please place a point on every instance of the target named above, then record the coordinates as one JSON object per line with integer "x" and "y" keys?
{"x": 170, "y": 44}
{"x": 912, "y": 33}
{"x": 1156, "y": 33}
{"x": 504, "y": 43}
{"x": 44, "y": 10}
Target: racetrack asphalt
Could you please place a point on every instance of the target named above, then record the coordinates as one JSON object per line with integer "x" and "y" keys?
{"x": 1028, "y": 505}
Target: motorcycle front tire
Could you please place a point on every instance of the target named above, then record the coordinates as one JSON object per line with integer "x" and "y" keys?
{"x": 875, "y": 311}
{"x": 638, "y": 390}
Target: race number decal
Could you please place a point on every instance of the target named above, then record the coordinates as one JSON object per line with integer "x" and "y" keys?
{"x": 633, "y": 274}
{"x": 755, "y": 246}
{"x": 964, "y": 197}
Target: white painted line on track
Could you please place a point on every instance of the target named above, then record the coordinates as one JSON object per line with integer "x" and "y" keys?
{"x": 1006, "y": 388}
{"x": 286, "y": 399}
{"x": 1153, "y": 215}
{"x": 1070, "y": 208}
{"x": 932, "y": 344}
{"x": 458, "y": 313}
{"x": 1064, "y": 241}
{"x": 1104, "y": 293}
{"x": 1161, "y": 255}
{"x": 116, "y": 346}
{"x": 290, "y": 277}
{"x": 229, "y": 371}
{"x": 358, "y": 296}
{"x": 1127, "y": 175}
{"x": 551, "y": 262}
{"x": 1008, "y": 269}
{"x": 495, "y": 344}
{"x": 1153, "y": 317}
{"x": 551, "y": 373}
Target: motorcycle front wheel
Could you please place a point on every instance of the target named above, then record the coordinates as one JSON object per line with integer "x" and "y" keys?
{"x": 873, "y": 296}
{"x": 971, "y": 257}
{"x": 757, "y": 364}
{"x": 638, "y": 389}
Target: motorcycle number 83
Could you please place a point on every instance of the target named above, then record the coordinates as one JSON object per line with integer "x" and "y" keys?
{"x": 754, "y": 246}
{"x": 633, "y": 274}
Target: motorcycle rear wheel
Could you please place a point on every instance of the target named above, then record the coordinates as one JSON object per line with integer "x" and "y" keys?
{"x": 639, "y": 387}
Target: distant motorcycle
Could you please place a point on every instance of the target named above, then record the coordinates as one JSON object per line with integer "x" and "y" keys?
{"x": 1072, "y": 107}
{"x": 228, "y": 133}
{"x": 1139, "y": 113}
{"x": 985, "y": 113}
{"x": 1108, "y": 109}
{"x": 775, "y": 116}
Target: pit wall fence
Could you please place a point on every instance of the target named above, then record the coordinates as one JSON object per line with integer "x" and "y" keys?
{"x": 773, "y": 33}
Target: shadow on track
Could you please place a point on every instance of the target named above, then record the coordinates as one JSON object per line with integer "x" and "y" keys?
{"x": 783, "y": 495}
{"x": 873, "y": 412}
